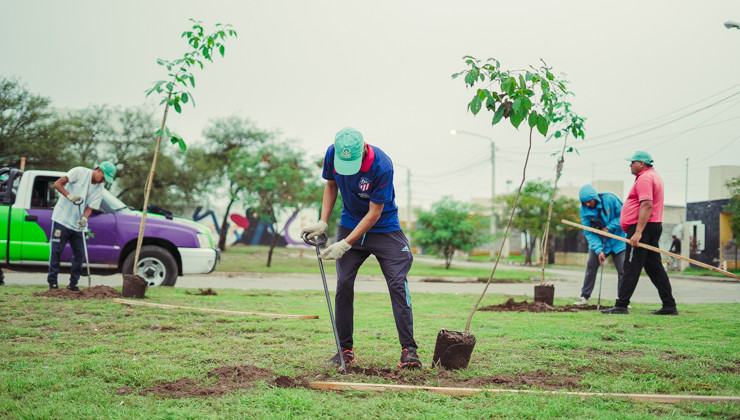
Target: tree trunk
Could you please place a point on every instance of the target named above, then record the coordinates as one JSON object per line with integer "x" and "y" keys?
{"x": 448, "y": 257}
{"x": 224, "y": 227}
{"x": 275, "y": 236}
{"x": 272, "y": 247}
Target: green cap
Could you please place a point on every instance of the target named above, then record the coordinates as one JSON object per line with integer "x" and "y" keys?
{"x": 641, "y": 156}
{"x": 348, "y": 147}
{"x": 109, "y": 170}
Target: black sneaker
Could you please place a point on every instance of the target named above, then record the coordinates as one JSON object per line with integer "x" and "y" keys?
{"x": 409, "y": 359}
{"x": 618, "y": 310}
{"x": 349, "y": 358}
{"x": 665, "y": 311}
{"x": 53, "y": 286}
{"x": 73, "y": 288}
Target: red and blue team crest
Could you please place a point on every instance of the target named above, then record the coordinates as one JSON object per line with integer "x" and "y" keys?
{"x": 364, "y": 184}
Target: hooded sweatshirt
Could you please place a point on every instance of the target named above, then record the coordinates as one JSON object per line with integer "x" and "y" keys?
{"x": 606, "y": 213}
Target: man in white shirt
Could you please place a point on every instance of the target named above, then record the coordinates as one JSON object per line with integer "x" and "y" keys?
{"x": 82, "y": 189}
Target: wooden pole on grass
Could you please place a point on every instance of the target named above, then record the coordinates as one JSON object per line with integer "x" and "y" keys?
{"x": 652, "y": 248}
{"x": 668, "y": 399}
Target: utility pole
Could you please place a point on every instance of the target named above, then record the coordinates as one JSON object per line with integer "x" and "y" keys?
{"x": 493, "y": 183}
{"x": 686, "y": 190}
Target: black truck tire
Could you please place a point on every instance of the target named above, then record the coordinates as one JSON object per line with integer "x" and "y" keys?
{"x": 157, "y": 266}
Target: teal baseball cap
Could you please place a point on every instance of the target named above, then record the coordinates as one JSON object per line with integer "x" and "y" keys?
{"x": 348, "y": 147}
{"x": 109, "y": 170}
{"x": 641, "y": 156}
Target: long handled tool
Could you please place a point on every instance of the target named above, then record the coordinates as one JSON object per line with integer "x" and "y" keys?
{"x": 601, "y": 276}
{"x": 652, "y": 248}
{"x": 84, "y": 244}
{"x": 317, "y": 242}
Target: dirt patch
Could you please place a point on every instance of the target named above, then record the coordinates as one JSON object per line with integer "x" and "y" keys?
{"x": 222, "y": 380}
{"x": 622, "y": 354}
{"x": 95, "y": 292}
{"x": 524, "y": 306}
{"x": 540, "y": 380}
{"x": 203, "y": 292}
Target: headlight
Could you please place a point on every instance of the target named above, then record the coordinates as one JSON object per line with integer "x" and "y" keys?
{"x": 204, "y": 240}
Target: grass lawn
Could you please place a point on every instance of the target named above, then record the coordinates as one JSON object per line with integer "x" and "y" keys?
{"x": 253, "y": 259}
{"x": 97, "y": 359}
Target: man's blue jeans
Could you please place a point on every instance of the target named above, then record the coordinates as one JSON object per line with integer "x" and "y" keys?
{"x": 60, "y": 235}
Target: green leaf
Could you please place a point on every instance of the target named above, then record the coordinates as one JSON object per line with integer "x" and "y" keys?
{"x": 475, "y": 104}
{"x": 221, "y": 49}
{"x": 184, "y": 97}
{"x": 499, "y": 114}
{"x": 533, "y": 119}
{"x": 542, "y": 125}
{"x": 517, "y": 118}
{"x": 470, "y": 78}
{"x": 506, "y": 85}
{"x": 518, "y": 102}
{"x": 177, "y": 106}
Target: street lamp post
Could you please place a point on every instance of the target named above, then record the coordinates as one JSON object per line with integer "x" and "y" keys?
{"x": 493, "y": 182}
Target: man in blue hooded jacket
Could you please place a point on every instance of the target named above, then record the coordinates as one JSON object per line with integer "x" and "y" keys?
{"x": 600, "y": 211}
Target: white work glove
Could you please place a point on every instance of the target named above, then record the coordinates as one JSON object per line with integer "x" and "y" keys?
{"x": 82, "y": 222}
{"x": 335, "y": 250}
{"x": 73, "y": 198}
{"x": 317, "y": 229}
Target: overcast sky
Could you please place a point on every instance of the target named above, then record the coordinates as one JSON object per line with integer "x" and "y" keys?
{"x": 652, "y": 75}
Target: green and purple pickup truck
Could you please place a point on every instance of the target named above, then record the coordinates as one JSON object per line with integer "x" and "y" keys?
{"x": 172, "y": 246}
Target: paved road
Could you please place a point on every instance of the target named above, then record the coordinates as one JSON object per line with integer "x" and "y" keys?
{"x": 567, "y": 283}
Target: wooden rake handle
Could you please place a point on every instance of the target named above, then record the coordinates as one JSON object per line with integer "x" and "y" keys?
{"x": 652, "y": 248}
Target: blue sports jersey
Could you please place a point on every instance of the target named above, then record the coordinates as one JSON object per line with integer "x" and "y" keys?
{"x": 374, "y": 182}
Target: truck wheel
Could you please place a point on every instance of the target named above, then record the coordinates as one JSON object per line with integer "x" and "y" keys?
{"x": 157, "y": 266}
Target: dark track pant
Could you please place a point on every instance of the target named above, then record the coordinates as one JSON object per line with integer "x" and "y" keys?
{"x": 60, "y": 235}
{"x": 639, "y": 258}
{"x": 393, "y": 252}
{"x": 592, "y": 268}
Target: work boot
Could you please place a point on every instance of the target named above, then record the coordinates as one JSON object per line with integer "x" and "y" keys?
{"x": 666, "y": 310}
{"x": 582, "y": 301}
{"x": 53, "y": 286}
{"x": 349, "y": 358}
{"x": 616, "y": 310}
{"x": 73, "y": 288}
{"x": 409, "y": 359}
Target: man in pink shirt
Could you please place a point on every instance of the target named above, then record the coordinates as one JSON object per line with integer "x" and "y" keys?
{"x": 641, "y": 219}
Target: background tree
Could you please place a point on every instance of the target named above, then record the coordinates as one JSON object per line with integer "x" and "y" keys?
{"x": 531, "y": 212}
{"x": 87, "y": 130}
{"x": 275, "y": 180}
{"x": 29, "y": 128}
{"x": 449, "y": 226}
{"x": 229, "y": 140}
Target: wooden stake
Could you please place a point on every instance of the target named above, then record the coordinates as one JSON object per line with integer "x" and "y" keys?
{"x": 652, "y": 248}
{"x": 219, "y": 311}
{"x": 668, "y": 399}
